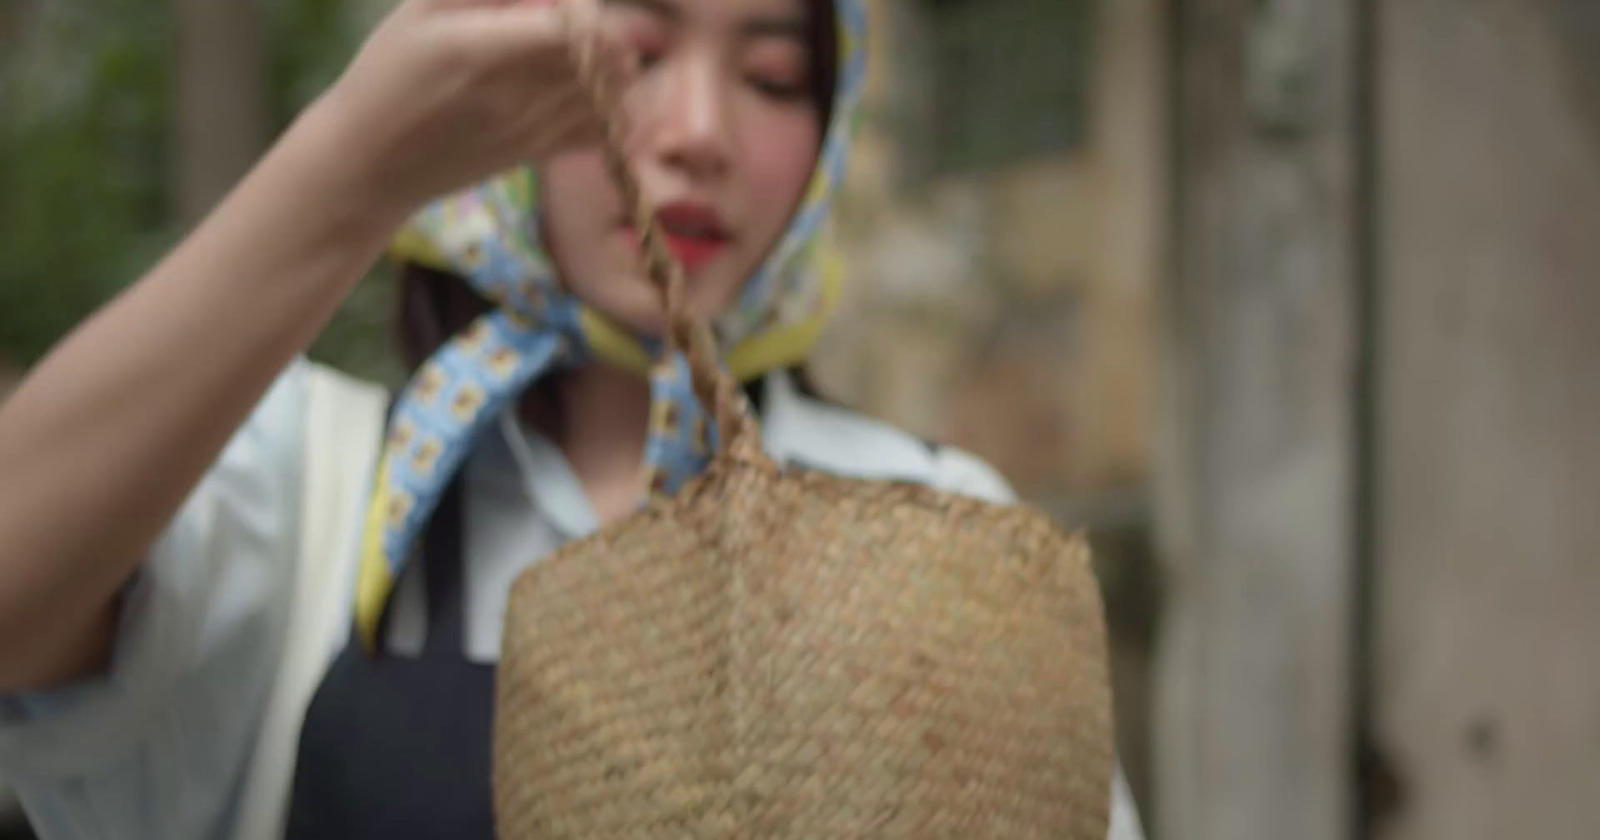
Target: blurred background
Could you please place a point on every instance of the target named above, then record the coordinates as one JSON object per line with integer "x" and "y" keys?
{"x": 1286, "y": 301}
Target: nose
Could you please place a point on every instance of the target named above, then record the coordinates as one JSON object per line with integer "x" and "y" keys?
{"x": 692, "y": 131}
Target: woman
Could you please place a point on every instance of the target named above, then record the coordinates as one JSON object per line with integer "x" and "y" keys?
{"x": 154, "y": 502}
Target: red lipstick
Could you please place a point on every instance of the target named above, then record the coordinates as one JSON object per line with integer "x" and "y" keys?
{"x": 694, "y": 232}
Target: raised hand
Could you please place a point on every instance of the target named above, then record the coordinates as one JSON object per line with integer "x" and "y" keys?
{"x": 448, "y": 92}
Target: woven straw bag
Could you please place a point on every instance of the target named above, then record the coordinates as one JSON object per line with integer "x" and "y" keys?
{"x": 778, "y": 653}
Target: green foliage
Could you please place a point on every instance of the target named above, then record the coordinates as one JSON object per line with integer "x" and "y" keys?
{"x": 360, "y": 339}
{"x": 310, "y": 42}
{"x": 86, "y": 99}
{"x": 82, "y": 176}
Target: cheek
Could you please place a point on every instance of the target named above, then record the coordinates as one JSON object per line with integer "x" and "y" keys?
{"x": 574, "y": 190}
{"x": 579, "y": 209}
{"x": 783, "y": 154}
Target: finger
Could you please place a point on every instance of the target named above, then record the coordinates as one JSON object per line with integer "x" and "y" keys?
{"x": 585, "y": 134}
{"x": 574, "y": 125}
{"x": 606, "y": 67}
{"x": 602, "y": 53}
{"x": 429, "y": 5}
{"x": 527, "y": 103}
{"x": 571, "y": 112}
{"x": 582, "y": 15}
{"x": 513, "y": 33}
{"x": 604, "y": 80}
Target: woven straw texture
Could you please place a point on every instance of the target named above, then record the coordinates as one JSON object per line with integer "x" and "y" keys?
{"x": 779, "y": 654}
{"x": 794, "y": 655}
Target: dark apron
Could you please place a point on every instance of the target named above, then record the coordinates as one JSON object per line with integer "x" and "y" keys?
{"x": 395, "y": 748}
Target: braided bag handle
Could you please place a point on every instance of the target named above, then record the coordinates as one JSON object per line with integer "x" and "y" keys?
{"x": 739, "y": 431}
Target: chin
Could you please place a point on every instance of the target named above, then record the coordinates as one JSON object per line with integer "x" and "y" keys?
{"x": 645, "y": 322}
{"x": 641, "y": 310}
{"x": 626, "y": 297}
{"x": 633, "y": 304}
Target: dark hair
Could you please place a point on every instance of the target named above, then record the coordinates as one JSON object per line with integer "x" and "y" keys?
{"x": 434, "y": 305}
{"x": 823, "y": 21}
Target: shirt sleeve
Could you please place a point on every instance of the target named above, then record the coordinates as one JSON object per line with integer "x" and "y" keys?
{"x": 156, "y": 745}
{"x": 957, "y": 471}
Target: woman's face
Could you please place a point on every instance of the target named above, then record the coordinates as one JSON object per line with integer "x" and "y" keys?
{"x": 725, "y": 135}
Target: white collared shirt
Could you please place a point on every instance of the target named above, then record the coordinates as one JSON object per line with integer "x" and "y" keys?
{"x": 161, "y": 745}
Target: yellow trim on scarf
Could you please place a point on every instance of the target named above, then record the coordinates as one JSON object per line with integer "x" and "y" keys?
{"x": 410, "y": 244}
{"x": 790, "y": 344}
{"x": 613, "y": 344}
{"x": 375, "y": 580}
{"x": 781, "y": 346}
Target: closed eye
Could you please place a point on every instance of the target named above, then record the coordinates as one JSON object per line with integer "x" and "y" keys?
{"x": 778, "y": 66}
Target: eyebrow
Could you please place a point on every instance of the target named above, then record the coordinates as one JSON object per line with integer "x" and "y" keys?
{"x": 772, "y": 26}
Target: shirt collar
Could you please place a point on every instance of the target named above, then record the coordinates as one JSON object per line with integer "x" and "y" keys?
{"x": 555, "y": 490}
{"x": 548, "y": 479}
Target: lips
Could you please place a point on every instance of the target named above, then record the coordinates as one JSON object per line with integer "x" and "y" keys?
{"x": 694, "y": 233}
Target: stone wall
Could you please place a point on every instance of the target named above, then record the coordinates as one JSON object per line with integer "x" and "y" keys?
{"x": 1009, "y": 310}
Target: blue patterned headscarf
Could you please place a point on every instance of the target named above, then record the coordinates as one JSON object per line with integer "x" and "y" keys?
{"x": 490, "y": 235}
